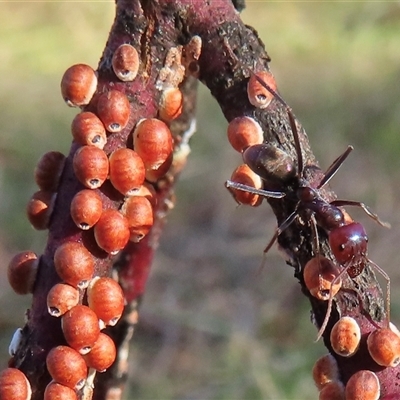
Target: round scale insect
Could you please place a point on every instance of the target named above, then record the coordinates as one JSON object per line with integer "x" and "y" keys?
{"x": 283, "y": 177}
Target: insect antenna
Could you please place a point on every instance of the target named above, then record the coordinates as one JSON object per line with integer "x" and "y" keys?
{"x": 338, "y": 277}
{"x": 292, "y": 122}
{"x": 330, "y": 300}
{"x": 334, "y": 167}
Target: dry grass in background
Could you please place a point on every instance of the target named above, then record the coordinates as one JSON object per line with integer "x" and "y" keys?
{"x": 210, "y": 327}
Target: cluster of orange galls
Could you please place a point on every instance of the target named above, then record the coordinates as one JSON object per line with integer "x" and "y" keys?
{"x": 383, "y": 345}
{"x": 131, "y": 172}
{"x": 245, "y": 131}
{"x": 319, "y": 273}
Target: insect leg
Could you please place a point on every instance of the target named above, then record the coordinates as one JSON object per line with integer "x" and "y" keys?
{"x": 292, "y": 121}
{"x": 387, "y": 278}
{"x": 250, "y": 189}
{"x": 343, "y": 203}
{"x": 330, "y": 301}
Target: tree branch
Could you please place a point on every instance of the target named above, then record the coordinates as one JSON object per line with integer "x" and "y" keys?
{"x": 230, "y": 52}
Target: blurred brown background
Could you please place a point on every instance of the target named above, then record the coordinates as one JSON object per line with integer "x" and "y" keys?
{"x": 210, "y": 327}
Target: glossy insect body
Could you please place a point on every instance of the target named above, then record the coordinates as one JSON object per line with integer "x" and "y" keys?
{"x": 348, "y": 240}
{"x": 272, "y": 164}
{"x": 279, "y": 172}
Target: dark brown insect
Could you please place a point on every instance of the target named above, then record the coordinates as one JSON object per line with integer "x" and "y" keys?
{"x": 348, "y": 240}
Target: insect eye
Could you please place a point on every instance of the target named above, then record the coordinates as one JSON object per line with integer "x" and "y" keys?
{"x": 342, "y": 247}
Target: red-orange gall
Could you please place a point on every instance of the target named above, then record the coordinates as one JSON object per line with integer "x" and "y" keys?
{"x": 39, "y": 209}
{"x": 127, "y": 171}
{"x": 56, "y": 391}
{"x": 153, "y": 141}
{"x": 125, "y": 62}
{"x": 153, "y": 175}
{"x": 332, "y": 391}
{"x": 86, "y": 208}
{"x": 363, "y": 385}
{"x": 384, "y": 347}
{"x": 78, "y": 85}
{"x": 318, "y": 274}
{"x": 325, "y": 370}
{"x": 259, "y": 96}
{"x": 139, "y": 213}
{"x": 67, "y": 367}
{"x": 80, "y": 326}
{"x": 112, "y": 231}
{"x": 90, "y": 166}
{"x": 87, "y": 129}
{"x": 345, "y": 336}
{"x": 244, "y": 175}
{"x": 74, "y": 264}
{"x": 114, "y": 110}
{"x": 171, "y": 103}
{"x": 14, "y": 385}
{"x": 22, "y": 270}
{"x": 106, "y": 299}
{"x": 48, "y": 170}
{"x": 61, "y": 298}
{"x": 103, "y": 353}
{"x": 147, "y": 190}
{"x": 244, "y": 132}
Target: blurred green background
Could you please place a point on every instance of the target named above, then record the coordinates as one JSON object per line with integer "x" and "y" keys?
{"x": 210, "y": 327}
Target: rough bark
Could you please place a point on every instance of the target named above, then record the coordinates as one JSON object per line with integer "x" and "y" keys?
{"x": 230, "y": 50}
